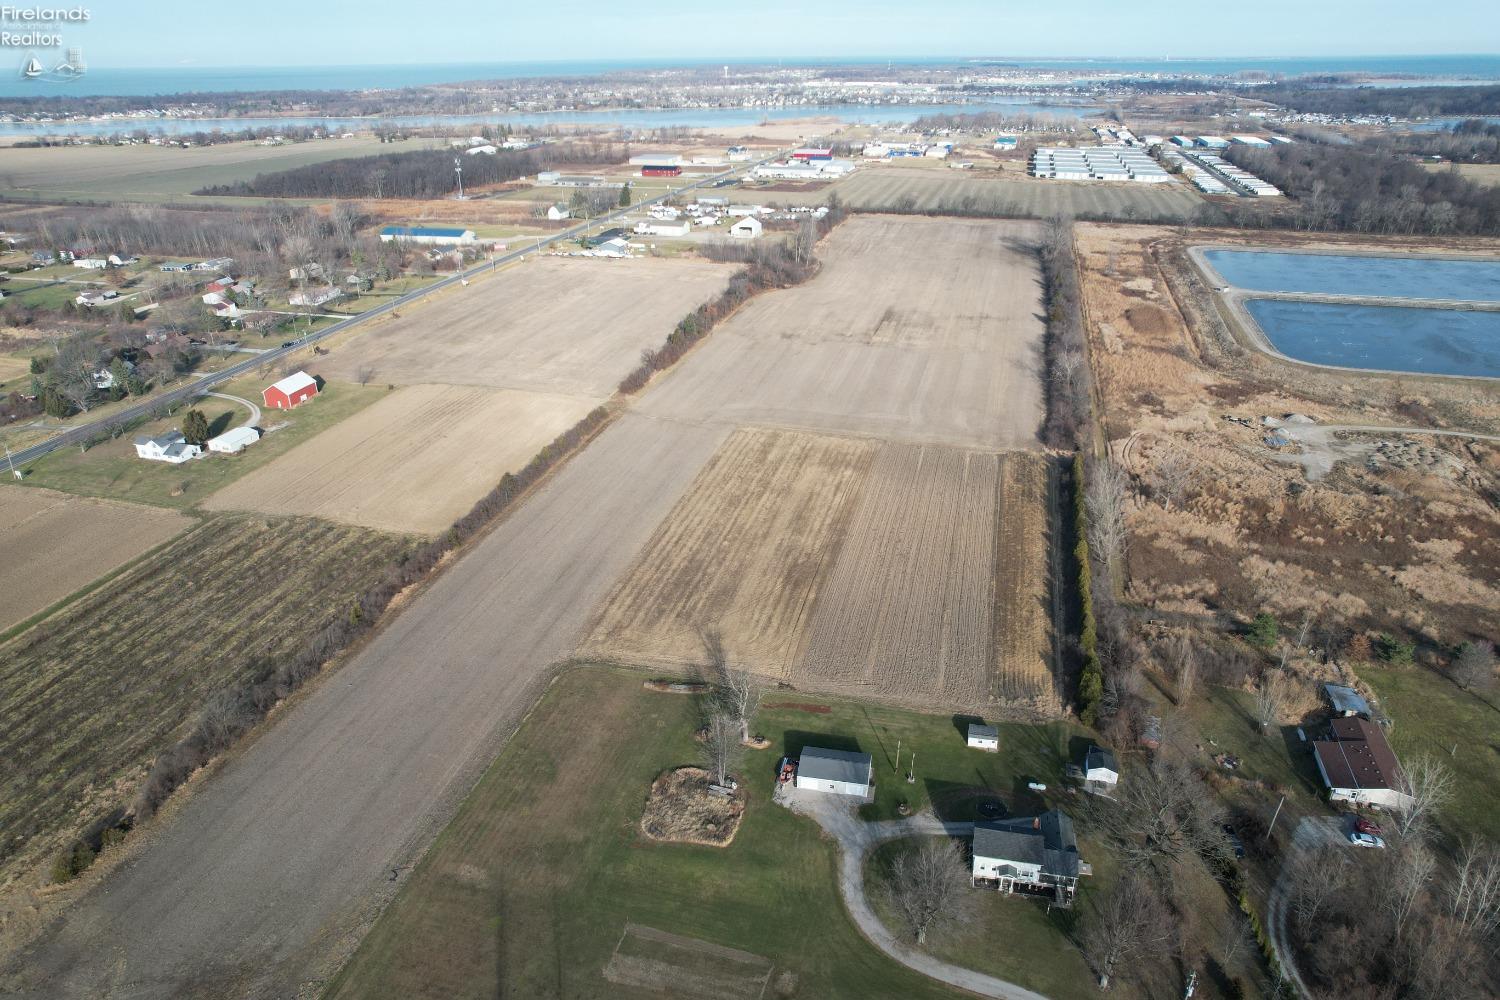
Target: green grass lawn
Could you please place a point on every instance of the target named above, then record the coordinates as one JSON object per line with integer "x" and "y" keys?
{"x": 1432, "y": 715}
{"x": 1006, "y": 934}
{"x": 113, "y": 470}
{"x": 528, "y": 891}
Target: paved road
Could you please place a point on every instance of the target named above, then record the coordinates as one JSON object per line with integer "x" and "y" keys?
{"x": 1310, "y": 833}
{"x": 183, "y": 393}
{"x": 856, "y": 838}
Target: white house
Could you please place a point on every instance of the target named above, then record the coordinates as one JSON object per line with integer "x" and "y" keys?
{"x": 1031, "y": 854}
{"x": 91, "y": 263}
{"x": 747, "y": 228}
{"x": 558, "y": 212}
{"x": 232, "y": 442}
{"x": 841, "y": 772}
{"x": 1357, "y": 764}
{"x": 663, "y": 228}
{"x": 313, "y": 270}
{"x": 982, "y": 737}
{"x": 95, "y": 297}
{"x": 170, "y": 446}
{"x": 104, "y": 378}
{"x": 488, "y": 150}
{"x": 314, "y": 296}
{"x": 1100, "y": 771}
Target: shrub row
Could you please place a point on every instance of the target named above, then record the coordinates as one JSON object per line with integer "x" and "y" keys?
{"x": 1261, "y": 937}
{"x": 232, "y": 711}
{"x": 1091, "y": 676}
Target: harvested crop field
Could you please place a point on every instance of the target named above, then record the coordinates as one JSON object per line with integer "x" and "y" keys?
{"x": 553, "y": 324}
{"x": 741, "y": 556}
{"x": 913, "y": 572}
{"x": 915, "y": 329}
{"x": 55, "y": 543}
{"x": 413, "y": 462}
{"x": 902, "y": 189}
{"x": 92, "y": 695}
{"x": 939, "y": 595}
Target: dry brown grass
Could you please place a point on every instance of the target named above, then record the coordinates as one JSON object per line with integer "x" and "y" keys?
{"x": 681, "y": 809}
{"x": 413, "y": 462}
{"x": 1383, "y": 546}
{"x": 56, "y": 543}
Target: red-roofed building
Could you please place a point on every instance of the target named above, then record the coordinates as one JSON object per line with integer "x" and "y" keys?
{"x": 1358, "y": 765}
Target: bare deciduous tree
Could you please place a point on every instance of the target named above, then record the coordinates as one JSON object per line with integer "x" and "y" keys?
{"x": 1474, "y": 666}
{"x": 1105, "y": 501}
{"x": 1426, "y": 785}
{"x": 1474, "y": 892}
{"x": 738, "y": 692}
{"x": 1173, "y": 474}
{"x": 1181, "y": 656}
{"x": 1410, "y": 873}
{"x": 930, "y": 888}
{"x": 1270, "y": 697}
{"x": 1131, "y": 921}
{"x": 722, "y": 749}
{"x": 1163, "y": 814}
{"x": 364, "y": 373}
{"x": 1317, "y": 875}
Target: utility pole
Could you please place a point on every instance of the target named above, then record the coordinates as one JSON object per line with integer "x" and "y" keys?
{"x": 911, "y": 776}
{"x": 458, "y": 168}
{"x": 12, "y": 463}
{"x": 898, "y": 755}
{"x": 1272, "y": 825}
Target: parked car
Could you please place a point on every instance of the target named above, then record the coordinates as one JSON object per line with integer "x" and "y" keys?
{"x": 1365, "y": 840}
{"x": 1363, "y": 825}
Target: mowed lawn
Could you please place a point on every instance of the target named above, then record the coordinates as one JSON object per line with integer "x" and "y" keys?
{"x": 528, "y": 892}
{"x": 114, "y": 470}
{"x": 1459, "y": 728}
{"x": 93, "y": 694}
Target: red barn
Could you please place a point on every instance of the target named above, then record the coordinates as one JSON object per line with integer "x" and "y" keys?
{"x": 295, "y": 388}
{"x": 812, "y": 153}
{"x": 661, "y": 171}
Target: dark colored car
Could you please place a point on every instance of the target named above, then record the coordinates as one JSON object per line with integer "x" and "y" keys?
{"x": 1363, "y": 825}
{"x": 1235, "y": 844}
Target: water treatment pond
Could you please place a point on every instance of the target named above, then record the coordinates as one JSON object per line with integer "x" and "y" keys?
{"x": 1336, "y": 274}
{"x": 1390, "y": 338}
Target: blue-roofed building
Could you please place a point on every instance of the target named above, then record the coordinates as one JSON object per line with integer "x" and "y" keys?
{"x": 440, "y": 235}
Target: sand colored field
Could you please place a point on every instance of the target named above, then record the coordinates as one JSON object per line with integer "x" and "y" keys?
{"x": 414, "y": 462}
{"x": 742, "y": 555}
{"x": 916, "y": 329}
{"x": 51, "y": 544}
{"x": 552, "y": 325}
{"x": 916, "y": 573}
{"x": 924, "y": 189}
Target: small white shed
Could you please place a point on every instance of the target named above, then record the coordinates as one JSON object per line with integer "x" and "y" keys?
{"x": 982, "y": 737}
{"x": 747, "y": 228}
{"x": 841, "y": 772}
{"x": 559, "y": 211}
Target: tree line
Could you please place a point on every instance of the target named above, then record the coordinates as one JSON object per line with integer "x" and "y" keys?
{"x": 1399, "y": 102}
{"x": 1472, "y": 141}
{"x": 422, "y": 174}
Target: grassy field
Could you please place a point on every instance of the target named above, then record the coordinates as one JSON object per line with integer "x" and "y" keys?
{"x": 93, "y": 694}
{"x": 158, "y": 173}
{"x": 1432, "y": 715}
{"x": 1479, "y": 173}
{"x": 529, "y": 891}
{"x": 113, "y": 470}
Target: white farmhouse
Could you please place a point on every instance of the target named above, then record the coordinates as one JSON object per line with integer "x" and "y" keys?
{"x": 170, "y": 446}
{"x": 841, "y": 772}
{"x": 1032, "y": 854}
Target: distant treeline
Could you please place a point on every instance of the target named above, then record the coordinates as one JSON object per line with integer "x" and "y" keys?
{"x": 426, "y": 173}
{"x": 1347, "y": 187}
{"x": 980, "y": 121}
{"x": 1400, "y": 102}
{"x": 1472, "y": 141}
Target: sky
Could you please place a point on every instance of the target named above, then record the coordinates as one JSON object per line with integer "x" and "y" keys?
{"x": 160, "y": 34}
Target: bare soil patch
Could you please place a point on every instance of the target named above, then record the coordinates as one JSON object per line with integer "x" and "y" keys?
{"x": 55, "y": 543}
{"x": 681, "y": 808}
{"x": 413, "y": 462}
{"x": 915, "y": 329}
{"x": 673, "y": 965}
{"x": 552, "y": 324}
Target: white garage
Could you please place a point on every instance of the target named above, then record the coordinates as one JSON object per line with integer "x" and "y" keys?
{"x": 841, "y": 772}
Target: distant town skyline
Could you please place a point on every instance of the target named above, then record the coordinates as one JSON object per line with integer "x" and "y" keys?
{"x": 294, "y": 34}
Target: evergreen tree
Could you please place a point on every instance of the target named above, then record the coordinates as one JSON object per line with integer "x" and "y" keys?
{"x": 195, "y": 427}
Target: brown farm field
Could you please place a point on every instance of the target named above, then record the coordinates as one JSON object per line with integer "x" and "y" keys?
{"x": 93, "y": 694}
{"x": 413, "y": 462}
{"x": 916, "y": 329}
{"x": 913, "y": 189}
{"x": 845, "y": 565}
{"x": 52, "y": 544}
{"x": 553, "y": 324}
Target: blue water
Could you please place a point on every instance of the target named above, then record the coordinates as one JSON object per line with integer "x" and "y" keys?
{"x": 1401, "y": 277}
{"x": 694, "y": 117}
{"x": 104, "y": 81}
{"x": 1389, "y": 338}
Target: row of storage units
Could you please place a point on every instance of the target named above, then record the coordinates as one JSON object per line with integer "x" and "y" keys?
{"x": 1243, "y": 180}
{"x": 1112, "y": 163}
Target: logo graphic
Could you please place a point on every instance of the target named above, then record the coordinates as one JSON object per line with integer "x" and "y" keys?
{"x": 70, "y": 68}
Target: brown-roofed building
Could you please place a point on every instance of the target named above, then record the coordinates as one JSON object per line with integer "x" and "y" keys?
{"x": 1357, "y": 764}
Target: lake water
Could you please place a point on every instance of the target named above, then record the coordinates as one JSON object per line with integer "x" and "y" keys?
{"x": 689, "y": 117}
{"x": 1389, "y": 338}
{"x": 1402, "y": 277}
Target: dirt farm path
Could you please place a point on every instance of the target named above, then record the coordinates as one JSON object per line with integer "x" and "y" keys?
{"x": 856, "y": 838}
{"x": 271, "y": 870}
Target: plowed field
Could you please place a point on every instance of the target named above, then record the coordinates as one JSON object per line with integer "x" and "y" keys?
{"x": 413, "y": 462}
